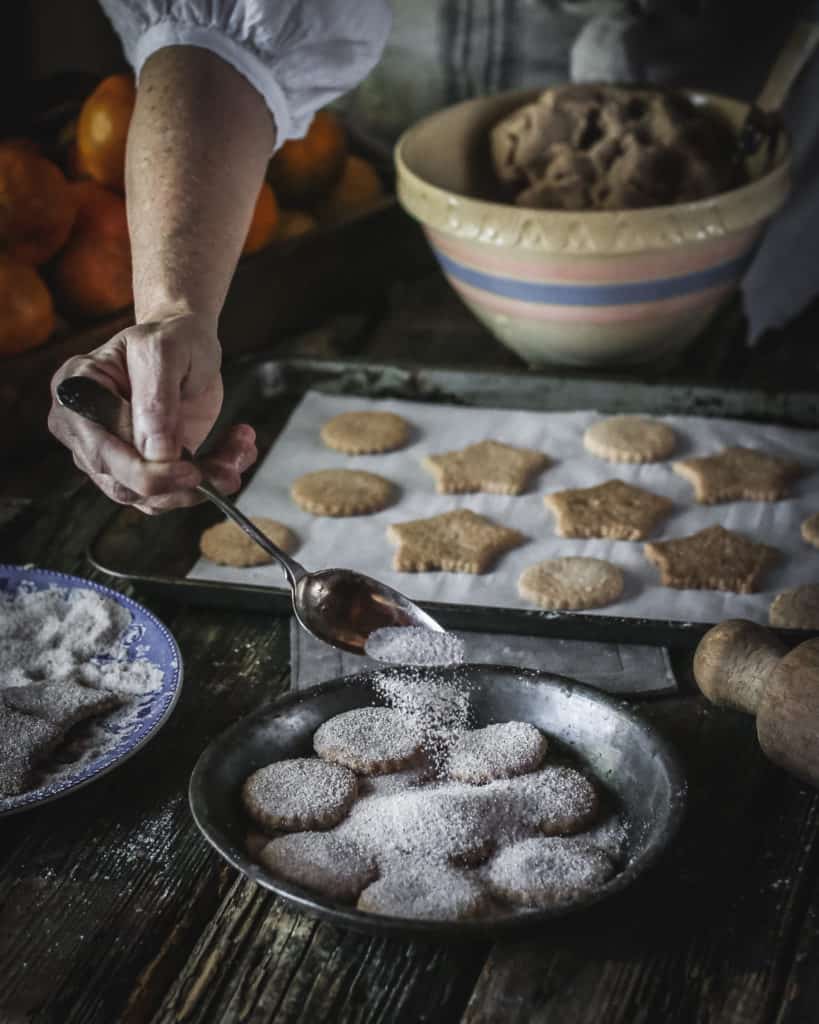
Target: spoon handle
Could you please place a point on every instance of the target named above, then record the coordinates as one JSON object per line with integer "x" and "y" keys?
{"x": 795, "y": 54}
{"x": 89, "y": 399}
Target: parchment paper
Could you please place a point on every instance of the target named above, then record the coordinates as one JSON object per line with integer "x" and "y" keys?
{"x": 361, "y": 543}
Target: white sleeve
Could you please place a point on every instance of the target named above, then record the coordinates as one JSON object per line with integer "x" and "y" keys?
{"x": 299, "y": 54}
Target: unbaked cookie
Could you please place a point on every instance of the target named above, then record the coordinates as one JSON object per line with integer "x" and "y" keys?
{"x": 738, "y": 474}
{"x": 227, "y": 544}
{"x": 426, "y": 892}
{"x": 711, "y": 559}
{"x": 797, "y": 608}
{"x": 456, "y": 541}
{"x": 810, "y": 530}
{"x": 334, "y": 868}
{"x": 298, "y": 794}
{"x": 614, "y": 509}
{"x": 371, "y": 741}
{"x": 486, "y": 466}
{"x": 630, "y": 439}
{"x": 496, "y": 752}
{"x": 571, "y": 583}
{"x": 365, "y": 433}
{"x": 546, "y": 872}
{"x": 342, "y": 492}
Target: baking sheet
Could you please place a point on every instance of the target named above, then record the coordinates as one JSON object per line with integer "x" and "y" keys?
{"x": 361, "y": 543}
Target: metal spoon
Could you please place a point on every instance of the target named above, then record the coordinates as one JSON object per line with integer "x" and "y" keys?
{"x": 339, "y": 606}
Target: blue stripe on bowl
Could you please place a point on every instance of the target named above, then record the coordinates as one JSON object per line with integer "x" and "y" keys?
{"x": 597, "y": 294}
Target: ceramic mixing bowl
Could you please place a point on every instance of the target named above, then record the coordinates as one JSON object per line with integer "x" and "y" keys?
{"x": 587, "y": 288}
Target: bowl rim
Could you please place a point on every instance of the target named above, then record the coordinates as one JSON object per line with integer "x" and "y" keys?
{"x": 754, "y": 201}
{"x": 438, "y": 930}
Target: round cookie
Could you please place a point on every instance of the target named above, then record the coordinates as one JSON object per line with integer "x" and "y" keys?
{"x": 298, "y": 794}
{"x": 571, "y": 583}
{"x": 546, "y": 872}
{"x": 342, "y": 492}
{"x": 330, "y": 866}
{"x": 370, "y": 741}
{"x": 227, "y": 544}
{"x": 810, "y": 530}
{"x": 797, "y": 608}
{"x": 426, "y": 892}
{"x": 556, "y": 800}
{"x": 365, "y": 433}
{"x": 496, "y": 752}
{"x": 630, "y": 439}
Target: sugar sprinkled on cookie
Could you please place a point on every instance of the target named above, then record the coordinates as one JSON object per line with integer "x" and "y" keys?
{"x": 365, "y": 433}
{"x": 546, "y": 872}
{"x": 227, "y": 544}
{"x": 456, "y": 541}
{"x": 342, "y": 492}
{"x": 26, "y": 740}
{"x": 425, "y": 893}
{"x": 368, "y": 740}
{"x": 572, "y": 583}
{"x": 615, "y": 509}
{"x": 335, "y": 868}
{"x": 797, "y": 608}
{"x": 711, "y": 559}
{"x": 486, "y": 466}
{"x": 299, "y": 793}
{"x": 557, "y": 800}
{"x": 630, "y": 439}
{"x": 738, "y": 474}
{"x": 496, "y": 752}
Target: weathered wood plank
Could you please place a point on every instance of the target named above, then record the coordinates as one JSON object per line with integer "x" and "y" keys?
{"x": 104, "y": 893}
{"x": 259, "y": 961}
{"x": 707, "y": 937}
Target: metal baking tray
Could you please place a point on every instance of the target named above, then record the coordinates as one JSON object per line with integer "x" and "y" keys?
{"x": 157, "y": 552}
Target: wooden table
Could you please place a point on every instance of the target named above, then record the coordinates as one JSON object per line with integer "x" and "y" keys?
{"x": 113, "y": 910}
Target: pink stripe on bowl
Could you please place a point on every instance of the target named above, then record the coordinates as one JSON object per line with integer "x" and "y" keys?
{"x": 595, "y": 270}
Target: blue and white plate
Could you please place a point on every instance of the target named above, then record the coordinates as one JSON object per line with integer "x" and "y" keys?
{"x": 122, "y": 733}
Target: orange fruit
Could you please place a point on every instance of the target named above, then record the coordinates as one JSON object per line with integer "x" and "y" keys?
{"x": 26, "y": 309}
{"x": 36, "y": 205}
{"x": 358, "y": 189}
{"x": 295, "y": 222}
{"x": 92, "y": 275}
{"x": 305, "y": 168}
{"x": 102, "y": 130}
{"x": 265, "y": 221}
{"x": 100, "y": 211}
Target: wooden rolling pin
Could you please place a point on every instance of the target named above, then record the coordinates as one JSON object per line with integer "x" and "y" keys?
{"x": 743, "y": 665}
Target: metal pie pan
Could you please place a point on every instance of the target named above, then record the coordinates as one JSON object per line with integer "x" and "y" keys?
{"x": 636, "y": 768}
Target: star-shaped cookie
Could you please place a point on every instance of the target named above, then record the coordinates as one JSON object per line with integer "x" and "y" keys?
{"x": 615, "y": 509}
{"x": 457, "y": 541}
{"x": 738, "y": 474}
{"x": 486, "y": 466}
{"x": 712, "y": 559}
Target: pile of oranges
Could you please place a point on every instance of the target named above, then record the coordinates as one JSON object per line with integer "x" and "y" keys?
{"x": 64, "y": 241}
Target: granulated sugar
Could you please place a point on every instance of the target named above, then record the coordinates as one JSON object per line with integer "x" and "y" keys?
{"x": 414, "y": 645}
{"x": 496, "y": 752}
{"x": 56, "y": 644}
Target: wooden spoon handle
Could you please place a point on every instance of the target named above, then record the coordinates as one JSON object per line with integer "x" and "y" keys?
{"x": 795, "y": 54}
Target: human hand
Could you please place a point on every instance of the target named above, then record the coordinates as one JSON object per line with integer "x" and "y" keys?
{"x": 169, "y": 370}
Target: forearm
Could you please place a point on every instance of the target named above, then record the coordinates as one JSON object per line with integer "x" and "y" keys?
{"x": 198, "y": 145}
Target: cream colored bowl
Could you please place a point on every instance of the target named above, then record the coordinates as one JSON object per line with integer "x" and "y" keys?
{"x": 583, "y": 288}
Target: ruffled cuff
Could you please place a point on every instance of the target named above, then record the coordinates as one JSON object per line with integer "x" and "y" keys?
{"x": 243, "y": 59}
